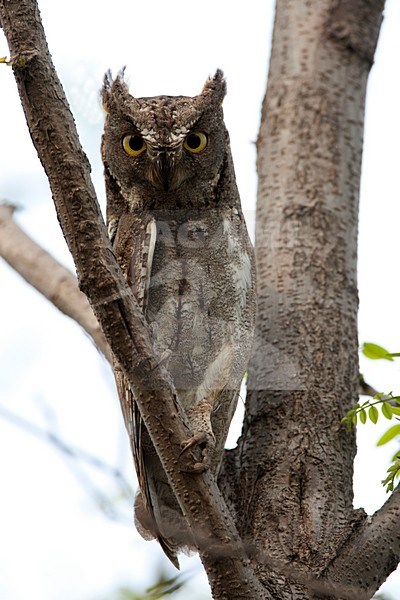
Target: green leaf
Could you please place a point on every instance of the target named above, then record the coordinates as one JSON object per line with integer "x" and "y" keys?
{"x": 393, "y": 468}
{"x": 395, "y": 410}
{"x": 378, "y": 396}
{"x": 375, "y": 352}
{"x": 363, "y": 416}
{"x": 373, "y": 414}
{"x": 387, "y": 410}
{"x": 166, "y": 587}
{"x": 389, "y": 435}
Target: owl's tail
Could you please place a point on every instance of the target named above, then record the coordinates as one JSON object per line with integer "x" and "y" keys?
{"x": 157, "y": 513}
{"x": 146, "y": 525}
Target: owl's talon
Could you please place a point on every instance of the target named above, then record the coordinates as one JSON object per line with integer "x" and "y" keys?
{"x": 196, "y": 468}
{"x": 199, "y": 438}
{"x": 205, "y": 442}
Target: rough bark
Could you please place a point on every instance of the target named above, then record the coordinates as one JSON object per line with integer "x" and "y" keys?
{"x": 48, "y": 277}
{"x": 293, "y": 492}
{"x": 370, "y": 553}
{"x": 54, "y": 135}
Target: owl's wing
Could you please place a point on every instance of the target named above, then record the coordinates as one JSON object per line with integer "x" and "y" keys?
{"x": 134, "y": 248}
{"x": 134, "y": 245}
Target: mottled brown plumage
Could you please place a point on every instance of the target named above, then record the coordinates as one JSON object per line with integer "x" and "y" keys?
{"x": 175, "y": 220}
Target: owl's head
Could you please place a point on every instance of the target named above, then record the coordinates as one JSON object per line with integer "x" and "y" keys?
{"x": 164, "y": 145}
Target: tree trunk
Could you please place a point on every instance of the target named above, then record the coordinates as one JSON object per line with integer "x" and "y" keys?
{"x": 294, "y": 490}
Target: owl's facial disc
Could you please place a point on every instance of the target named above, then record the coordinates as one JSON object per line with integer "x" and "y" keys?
{"x": 165, "y": 170}
{"x": 165, "y": 166}
{"x": 168, "y": 143}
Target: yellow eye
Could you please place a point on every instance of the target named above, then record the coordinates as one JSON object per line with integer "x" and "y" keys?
{"x": 195, "y": 142}
{"x": 134, "y": 145}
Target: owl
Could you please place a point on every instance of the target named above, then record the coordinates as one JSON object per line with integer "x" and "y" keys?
{"x": 177, "y": 228}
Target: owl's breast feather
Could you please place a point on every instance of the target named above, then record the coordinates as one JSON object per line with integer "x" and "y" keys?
{"x": 199, "y": 289}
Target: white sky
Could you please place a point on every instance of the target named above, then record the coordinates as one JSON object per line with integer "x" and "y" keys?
{"x": 55, "y": 544}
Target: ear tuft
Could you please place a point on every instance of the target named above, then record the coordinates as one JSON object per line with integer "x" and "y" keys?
{"x": 113, "y": 89}
{"x": 215, "y": 88}
{"x": 106, "y": 90}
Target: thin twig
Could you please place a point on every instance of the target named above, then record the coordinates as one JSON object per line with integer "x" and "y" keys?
{"x": 77, "y": 454}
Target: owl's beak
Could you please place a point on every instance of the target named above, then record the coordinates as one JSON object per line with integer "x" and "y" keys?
{"x": 165, "y": 172}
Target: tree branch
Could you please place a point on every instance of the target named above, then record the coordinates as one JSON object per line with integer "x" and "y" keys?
{"x": 365, "y": 388}
{"x": 370, "y": 553}
{"x": 48, "y": 277}
{"x": 54, "y": 135}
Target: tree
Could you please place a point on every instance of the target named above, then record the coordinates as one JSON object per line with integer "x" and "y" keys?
{"x": 288, "y": 483}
